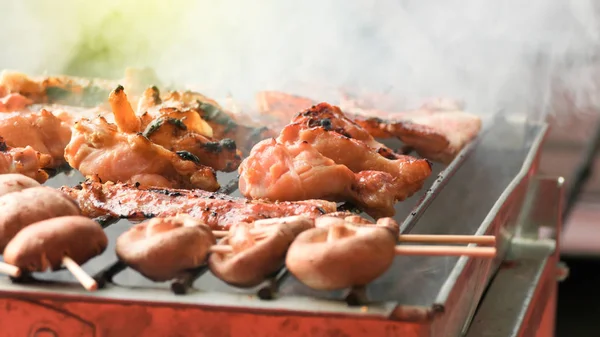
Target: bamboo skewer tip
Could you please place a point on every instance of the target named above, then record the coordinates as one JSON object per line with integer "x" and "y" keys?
{"x": 84, "y": 278}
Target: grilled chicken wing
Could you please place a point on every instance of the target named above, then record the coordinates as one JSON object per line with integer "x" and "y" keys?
{"x": 24, "y": 160}
{"x": 183, "y": 129}
{"x": 223, "y": 123}
{"x": 217, "y": 210}
{"x": 324, "y": 155}
{"x": 100, "y": 149}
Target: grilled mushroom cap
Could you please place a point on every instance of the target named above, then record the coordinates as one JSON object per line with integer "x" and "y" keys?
{"x": 252, "y": 265}
{"x": 45, "y": 243}
{"x": 162, "y": 248}
{"x": 357, "y": 257}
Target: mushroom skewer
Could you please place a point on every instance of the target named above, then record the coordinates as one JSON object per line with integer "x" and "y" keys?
{"x": 251, "y": 253}
{"x": 64, "y": 241}
{"x": 341, "y": 253}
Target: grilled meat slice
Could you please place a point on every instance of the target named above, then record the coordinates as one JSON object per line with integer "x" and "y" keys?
{"x": 43, "y": 131}
{"x": 217, "y": 210}
{"x": 324, "y": 155}
{"x": 100, "y": 149}
{"x": 279, "y": 107}
{"x": 24, "y": 160}
{"x": 437, "y": 131}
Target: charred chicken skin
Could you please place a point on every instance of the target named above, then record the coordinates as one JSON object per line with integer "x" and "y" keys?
{"x": 99, "y": 149}
{"x": 437, "y": 131}
{"x": 217, "y": 210}
{"x": 24, "y": 160}
{"x": 180, "y": 128}
{"x": 225, "y": 125}
{"x": 324, "y": 155}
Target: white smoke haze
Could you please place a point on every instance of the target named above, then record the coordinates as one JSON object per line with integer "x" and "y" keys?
{"x": 492, "y": 54}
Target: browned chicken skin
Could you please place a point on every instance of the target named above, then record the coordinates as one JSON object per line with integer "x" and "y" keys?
{"x": 219, "y": 211}
{"x": 43, "y": 131}
{"x": 180, "y": 128}
{"x": 223, "y": 123}
{"x": 437, "y": 131}
{"x": 324, "y": 155}
{"x": 100, "y": 149}
{"x": 23, "y": 160}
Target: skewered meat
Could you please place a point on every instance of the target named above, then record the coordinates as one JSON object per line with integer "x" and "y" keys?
{"x": 43, "y": 131}
{"x": 324, "y": 155}
{"x": 342, "y": 255}
{"x": 13, "y": 182}
{"x": 24, "y": 160}
{"x": 22, "y": 208}
{"x": 437, "y": 131}
{"x": 219, "y": 211}
{"x": 162, "y": 248}
{"x": 98, "y": 149}
{"x": 255, "y": 256}
{"x": 44, "y": 244}
{"x": 182, "y": 129}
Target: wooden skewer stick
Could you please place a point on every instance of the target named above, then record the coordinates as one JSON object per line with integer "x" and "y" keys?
{"x": 223, "y": 249}
{"x": 254, "y": 231}
{"x": 9, "y": 269}
{"x": 478, "y": 239}
{"x": 488, "y": 252}
{"x": 86, "y": 280}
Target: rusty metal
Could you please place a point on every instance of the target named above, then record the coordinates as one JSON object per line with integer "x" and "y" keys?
{"x": 418, "y": 296}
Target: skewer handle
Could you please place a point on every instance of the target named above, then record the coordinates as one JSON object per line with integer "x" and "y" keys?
{"x": 9, "y": 269}
{"x": 487, "y": 252}
{"x": 223, "y": 249}
{"x": 86, "y": 280}
{"x": 465, "y": 239}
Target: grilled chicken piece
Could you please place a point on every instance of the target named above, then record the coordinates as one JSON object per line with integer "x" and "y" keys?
{"x": 99, "y": 149}
{"x": 14, "y": 102}
{"x": 24, "y": 160}
{"x": 437, "y": 131}
{"x": 182, "y": 129}
{"x": 223, "y": 123}
{"x": 43, "y": 131}
{"x": 324, "y": 155}
{"x": 217, "y": 210}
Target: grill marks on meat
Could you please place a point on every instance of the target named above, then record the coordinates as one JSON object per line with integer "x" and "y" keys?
{"x": 322, "y": 154}
{"x": 23, "y": 160}
{"x": 99, "y": 149}
{"x": 219, "y": 211}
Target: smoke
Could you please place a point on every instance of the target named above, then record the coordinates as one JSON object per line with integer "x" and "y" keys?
{"x": 513, "y": 55}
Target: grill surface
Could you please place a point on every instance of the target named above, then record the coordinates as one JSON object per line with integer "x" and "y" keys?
{"x": 490, "y": 168}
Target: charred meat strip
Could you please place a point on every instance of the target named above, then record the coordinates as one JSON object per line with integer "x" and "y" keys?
{"x": 324, "y": 155}
{"x": 219, "y": 211}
